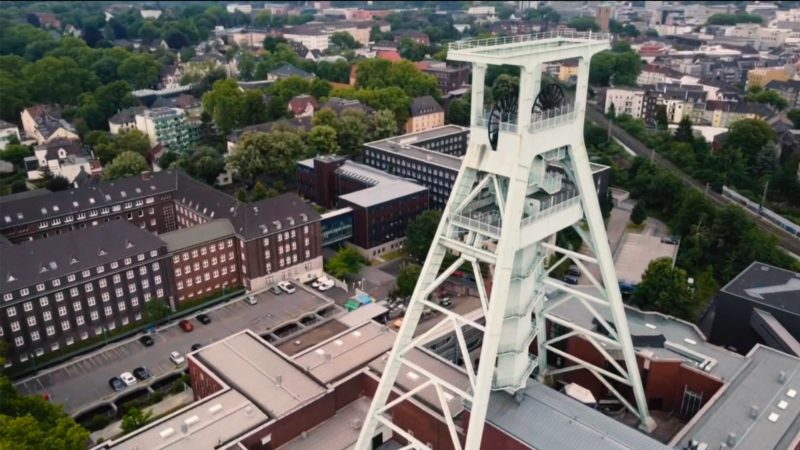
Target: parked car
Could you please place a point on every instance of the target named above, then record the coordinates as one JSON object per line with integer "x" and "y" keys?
{"x": 574, "y": 271}
{"x": 128, "y": 378}
{"x": 141, "y": 373}
{"x": 146, "y": 340}
{"x": 446, "y": 302}
{"x": 325, "y": 285}
{"x": 196, "y": 347}
{"x": 570, "y": 280}
{"x": 177, "y": 358}
{"x": 672, "y": 240}
{"x": 427, "y": 311}
{"x": 186, "y": 325}
{"x": 116, "y": 384}
{"x": 251, "y": 300}
{"x": 205, "y": 319}
{"x": 276, "y": 290}
{"x": 287, "y": 286}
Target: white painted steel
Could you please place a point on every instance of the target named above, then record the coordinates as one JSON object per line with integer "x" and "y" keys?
{"x": 499, "y": 215}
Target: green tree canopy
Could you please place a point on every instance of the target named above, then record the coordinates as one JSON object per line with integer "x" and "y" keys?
{"x": 346, "y": 262}
{"x": 767, "y": 96}
{"x": 135, "y": 418}
{"x": 733, "y": 19}
{"x": 585, "y": 23}
{"x": 638, "y": 215}
{"x": 665, "y": 289}
{"x": 420, "y": 232}
{"x": 126, "y": 164}
{"x": 407, "y": 279}
{"x": 322, "y": 140}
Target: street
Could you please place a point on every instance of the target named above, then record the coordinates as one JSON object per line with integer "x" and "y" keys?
{"x": 83, "y": 382}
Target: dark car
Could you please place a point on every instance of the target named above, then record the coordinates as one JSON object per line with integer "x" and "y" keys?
{"x": 570, "y": 280}
{"x": 116, "y": 384}
{"x": 141, "y": 373}
{"x": 196, "y": 347}
{"x": 672, "y": 240}
{"x": 276, "y": 290}
{"x": 146, "y": 340}
{"x": 204, "y": 319}
{"x": 186, "y": 325}
{"x": 574, "y": 271}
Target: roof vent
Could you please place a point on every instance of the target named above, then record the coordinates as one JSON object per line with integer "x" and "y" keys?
{"x": 248, "y": 410}
{"x": 781, "y": 377}
{"x": 754, "y": 412}
{"x": 304, "y": 435}
{"x": 10, "y": 278}
{"x": 783, "y": 404}
{"x": 167, "y": 432}
{"x": 128, "y": 244}
{"x": 519, "y": 397}
{"x": 357, "y": 424}
{"x": 328, "y": 357}
{"x": 278, "y": 380}
{"x": 791, "y": 393}
{"x": 304, "y": 216}
{"x": 101, "y": 252}
{"x": 215, "y": 409}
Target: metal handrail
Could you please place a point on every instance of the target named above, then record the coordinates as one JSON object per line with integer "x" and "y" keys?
{"x": 552, "y": 209}
{"x": 491, "y": 42}
{"x": 479, "y": 224}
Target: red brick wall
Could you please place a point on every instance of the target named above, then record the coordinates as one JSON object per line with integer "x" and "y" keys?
{"x": 667, "y": 379}
{"x": 203, "y": 384}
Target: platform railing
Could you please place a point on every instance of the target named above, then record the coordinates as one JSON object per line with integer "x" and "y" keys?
{"x": 566, "y": 204}
{"x": 503, "y": 40}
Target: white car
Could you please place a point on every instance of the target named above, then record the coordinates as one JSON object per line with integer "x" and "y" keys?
{"x": 176, "y": 358}
{"x": 287, "y": 287}
{"x": 325, "y": 285}
{"x": 128, "y": 378}
{"x": 251, "y": 300}
{"x": 320, "y": 281}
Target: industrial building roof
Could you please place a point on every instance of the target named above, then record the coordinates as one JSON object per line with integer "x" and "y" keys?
{"x": 260, "y": 374}
{"x": 768, "y": 285}
{"x": 412, "y": 151}
{"x": 682, "y": 340}
{"x": 338, "y": 432}
{"x": 760, "y": 408}
{"x": 382, "y": 193}
{"x": 198, "y": 234}
{"x": 200, "y": 426}
{"x": 346, "y": 352}
{"x": 546, "y": 419}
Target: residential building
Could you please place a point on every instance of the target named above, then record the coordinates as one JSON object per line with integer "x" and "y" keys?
{"x": 244, "y": 8}
{"x": 679, "y": 100}
{"x": 124, "y": 120}
{"x": 626, "y": 101}
{"x": 760, "y": 305}
{"x": 426, "y": 113}
{"x": 449, "y": 78}
{"x": 317, "y": 36}
{"x": 653, "y": 49}
{"x": 77, "y": 286}
{"x": 381, "y": 205}
{"x": 567, "y": 69}
{"x": 44, "y": 123}
{"x": 8, "y": 131}
{"x": 303, "y": 106}
{"x": 761, "y": 76}
{"x": 169, "y": 127}
{"x": 62, "y": 157}
{"x": 654, "y": 74}
{"x": 723, "y": 114}
{"x": 313, "y": 38}
{"x": 170, "y": 76}
{"x": 789, "y": 90}
{"x": 413, "y": 35}
{"x": 287, "y": 70}
{"x": 150, "y": 13}
{"x": 604, "y": 15}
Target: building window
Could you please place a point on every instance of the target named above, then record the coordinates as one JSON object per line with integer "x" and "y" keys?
{"x": 118, "y": 292}
{"x": 129, "y": 274}
{"x": 132, "y": 287}
{"x": 102, "y": 282}
{"x": 105, "y": 296}
{"x": 31, "y": 321}
{"x": 135, "y": 301}
{"x": 15, "y": 326}
{"x": 101, "y": 269}
{"x": 145, "y": 284}
{"x": 80, "y": 320}
{"x": 8, "y": 297}
{"x": 157, "y": 279}
{"x": 85, "y": 274}
{"x": 19, "y": 342}
{"x": 59, "y": 296}
{"x": 76, "y": 306}
{"x": 88, "y": 287}
{"x": 51, "y": 330}
{"x": 94, "y": 315}
{"x": 116, "y": 278}
{"x": 34, "y": 336}
{"x": 107, "y": 311}
{"x": 121, "y": 306}
{"x": 143, "y": 270}
{"x": 65, "y": 325}
{"x": 24, "y": 292}
{"x": 27, "y": 306}
{"x": 155, "y": 266}
{"x": 47, "y": 316}
{"x": 127, "y": 261}
{"x": 73, "y": 292}
{"x": 11, "y": 311}
{"x": 90, "y": 301}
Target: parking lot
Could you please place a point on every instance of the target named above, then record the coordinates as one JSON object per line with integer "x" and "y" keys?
{"x": 83, "y": 382}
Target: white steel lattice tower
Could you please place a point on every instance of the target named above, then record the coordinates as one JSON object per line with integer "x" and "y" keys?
{"x": 506, "y": 206}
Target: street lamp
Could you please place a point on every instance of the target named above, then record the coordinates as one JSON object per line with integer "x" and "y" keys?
{"x": 33, "y": 360}
{"x": 105, "y": 335}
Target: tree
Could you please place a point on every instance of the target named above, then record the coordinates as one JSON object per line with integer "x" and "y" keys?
{"x": 767, "y": 96}
{"x": 135, "y": 418}
{"x": 420, "y": 232}
{"x": 126, "y": 164}
{"x": 343, "y": 40}
{"x": 733, "y": 19}
{"x": 57, "y": 183}
{"x": 139, "y": 70}
{"x": 411, "y": 50}
{"x": 638, "y": 215}
{"x": 794, "y": 116}
{"x": 225, "y": 104}
{"x": 351, "y": 131}
{"x": 346, "y": 262}
{"x": 459, "y": 110}
{"x": 407, "y": 279}
{"x": 31, "y": 422}
{"x": 662, "y": 122}
{"x": 204, "y": 163}
{"x": 665, "y": 289}
{"x": 749, "y": 135}
{"x": 322, "y": 140}
{"x": 247, "y": 159}
{"x": 58, "y": 80}
{"x": 684, "y": 133}
{"x": 381, "y": 125}
{"x": 18, "y": 186}
{"x": 585, "y": 23}
{"x": 380, "y": 73}
{"x": 241, "y": 195}
{"x": 157, "y": 310}
{"x": 624, "y": 66}
{"x": 259, "y": 192}
{"x": 271, "y": 43}
{"x": 16, "y": 154}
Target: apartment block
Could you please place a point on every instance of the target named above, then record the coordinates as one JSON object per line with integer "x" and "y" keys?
{"x": 169, "y": 127}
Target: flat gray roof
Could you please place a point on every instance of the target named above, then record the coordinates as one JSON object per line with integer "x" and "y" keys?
{"x": 254, "y": 368}
{"x": 684, "y": 341}
{"x": 769, "y": 285}
{"x": 412, "y": 151}
{"x": 382, "y": 193}
{"x": 346, "y": 352}
{"x": 362, "y": 314}
{"x": 549, "y": 420}
{"x": 408, "y": 378}
{"x": 213, "y": 420}
{"x": 776, "y": 424}
{"x": 335, "y": 433}
{"x": 198, "y": 234}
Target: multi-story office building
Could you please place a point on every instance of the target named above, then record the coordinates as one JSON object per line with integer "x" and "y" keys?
{"x": 449, "y": 78}
{"x": 203, "y": 241}
{"x": 69, "y": 288}
{"x": 380, "y": 205}
{"x": 433, "y": 158}
{"x": 169, "y": 127}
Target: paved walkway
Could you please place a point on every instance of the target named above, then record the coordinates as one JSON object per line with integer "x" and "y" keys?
{"x": 168, "y": 404}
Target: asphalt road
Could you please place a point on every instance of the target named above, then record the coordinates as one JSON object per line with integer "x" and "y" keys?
{"x": 83, "y": 382}
{"x": 785, "y": 240}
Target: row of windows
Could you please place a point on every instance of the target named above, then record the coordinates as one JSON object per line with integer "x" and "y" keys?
{"x": 206, "y": 276}
{"x": 204, "y": 250}
{"x": 87, "y": 273}
{"x": 35, "y": 336}
{"x": 205, "y": 263}
{"x": 95, "y": 212}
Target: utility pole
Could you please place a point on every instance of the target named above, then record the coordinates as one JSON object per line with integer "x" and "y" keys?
{"x": 763, "y": 198}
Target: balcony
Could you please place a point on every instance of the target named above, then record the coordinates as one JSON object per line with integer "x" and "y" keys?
{"x": 539, "y": 120}
{"x": 505, "y": 40}
{"x": 488, "y": 223}
{"x": 552, "y": 209}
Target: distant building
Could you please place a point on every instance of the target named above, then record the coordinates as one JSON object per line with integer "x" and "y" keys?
{"x": 44, "y": 123}
{"x": 654, "y": 74}
{"x": 244, "y": 8}
{"x": 626, "y": 101}
{"x": 171, "y": 76}
{"x": 723, "y": 114}
{"x": 150, "y": 13}
{"x": 124, "y": 120}
{"x": 61, "y": 157}
{"x": 449, "y": 78}
{"x": 287, "y": 70}
{"x": 8, "y": 131}
{"x": 760, "y": 305}
{"x": 763, "y": 75}
{"x": 567, "y": 70}
{"x": 413, "y": 35}
{"x": 303, "y": 106}
{"x": 426, "y": 113}
{"x": 169, "y": 127}
{"x": 604, "y": 15}
{"x": 789, "y": 90}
